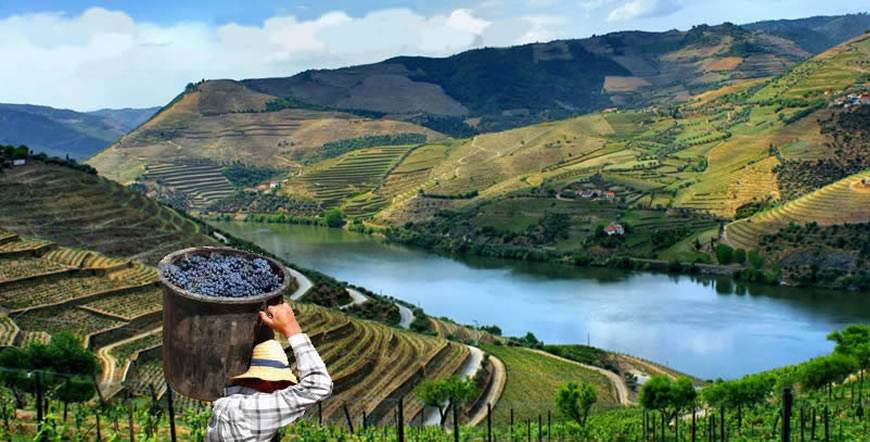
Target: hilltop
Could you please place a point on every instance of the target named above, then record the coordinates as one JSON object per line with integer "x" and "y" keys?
{"x": 61, "y": 132}
{"x": 664, "y": 178}
{"x": 497, "y": 88}
{"x": 283, "y": 122}
{"x": 816, "y": 34}
{"x": 224, "y": 121}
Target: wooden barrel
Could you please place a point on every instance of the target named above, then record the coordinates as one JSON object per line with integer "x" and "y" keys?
{"x": 207, "y": 340}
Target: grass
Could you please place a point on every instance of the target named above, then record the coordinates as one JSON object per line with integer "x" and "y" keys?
{"x": 532, "y": 382}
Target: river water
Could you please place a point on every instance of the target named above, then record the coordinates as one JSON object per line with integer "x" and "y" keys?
{"x": 704, "y": 326}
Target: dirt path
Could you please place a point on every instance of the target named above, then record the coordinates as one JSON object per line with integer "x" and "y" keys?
{"x": 109, "y": 362}
{"x": 304, "y": 284}
{"x": 499, "y": 377}
{"x": 615, "y": 380}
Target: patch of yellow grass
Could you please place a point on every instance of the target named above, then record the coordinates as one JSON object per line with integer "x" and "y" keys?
{"x": 723, "y": 64}
{"x": 614, "y": 83}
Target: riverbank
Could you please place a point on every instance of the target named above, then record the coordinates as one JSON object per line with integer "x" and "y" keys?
{"x": 706, "y": 325}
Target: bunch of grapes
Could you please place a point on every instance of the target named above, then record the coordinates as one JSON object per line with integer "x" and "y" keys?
{"x": 223, "y": 276}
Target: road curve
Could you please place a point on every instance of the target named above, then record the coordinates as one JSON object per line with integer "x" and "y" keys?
{"x": 499, "y": 376}
{"x": 357, "y": 298}
{"x": 109, "y": 362}
{"x": 617, "y": 382}
{"x": 472, "y": 364}
{"x": 407, "y": 316}
{"x": 304, "y": 284}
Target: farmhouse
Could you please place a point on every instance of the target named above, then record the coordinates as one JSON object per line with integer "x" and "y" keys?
{"x": 614, "y": 229}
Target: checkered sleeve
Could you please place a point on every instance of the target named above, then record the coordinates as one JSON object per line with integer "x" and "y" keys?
{"x": 266, "y": 413}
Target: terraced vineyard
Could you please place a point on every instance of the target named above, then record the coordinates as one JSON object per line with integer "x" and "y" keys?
{"x": 353, "y": 173}
{"x": 370, "y": 363}
{"x": 8, "y": 331}
{"x": 130, "y": 306}
{"x": 77, "y": 321}
{"x": 22, "y": 268}
{"x": 86, "y": 212}
{"x": 846, "y": 201}
{"x": 202, "y": 182}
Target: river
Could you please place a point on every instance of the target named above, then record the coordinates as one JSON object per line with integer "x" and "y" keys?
{"x": 704, "y": 326}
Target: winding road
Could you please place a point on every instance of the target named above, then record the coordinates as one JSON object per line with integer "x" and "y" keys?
{"x": 469, "y": 368}
{"x": 303, "y": 282}
{"x": 407, "y": 316}
{"x": 621, "y": 389}
{"x": 109, "y": 362}
{"x": 499, "y": 377}
{"x": 358, "y": 298}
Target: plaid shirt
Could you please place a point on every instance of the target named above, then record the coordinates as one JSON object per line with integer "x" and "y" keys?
{"x": 244, "y": 414}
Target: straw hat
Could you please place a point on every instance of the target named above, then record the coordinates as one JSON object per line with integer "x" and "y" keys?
{"x": 269, "y": 363}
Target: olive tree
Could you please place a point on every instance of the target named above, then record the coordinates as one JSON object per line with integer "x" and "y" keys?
{"x": 576, "y": 400}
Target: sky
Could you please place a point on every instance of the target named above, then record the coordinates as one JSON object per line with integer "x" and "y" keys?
{"x": 87, "y": 55}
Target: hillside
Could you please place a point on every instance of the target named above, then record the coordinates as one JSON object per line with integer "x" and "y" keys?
{"x": 61, "y": 132}
{"x": 816, "y": 34}
{"x": 667, "y": 175}
{"x": 224, "y": 121}
{"x": 80, "y": 210}
{"x": 497, "y": 88}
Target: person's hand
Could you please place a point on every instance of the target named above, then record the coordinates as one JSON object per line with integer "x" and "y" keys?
{"x": 281, "y": 319}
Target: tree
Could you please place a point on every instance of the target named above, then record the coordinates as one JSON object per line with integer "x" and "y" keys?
{"x": 444, "y": 393}
{"x": 66, "y": 369}
{"x": 682, "y": 396}
{"x": 576, "y": 400}
{"x": 555, "y": 225}
{"x": 756, "y": 259}
{"x": 432, "y": 393}
{"x": 854, "y": 341}
{"x": 740, "y": 256}
{"x": 823, "y": 372}
{"x": 724, "y": 253}
{"x": 333, "y": 218}
{"x": 656, "y": 395}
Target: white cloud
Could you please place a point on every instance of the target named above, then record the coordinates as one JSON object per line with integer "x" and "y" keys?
{"x": 104, "y": 58}
{"x": 542, "y": 28}
{"x": 591, "y": 5}
{"x": 642, "y": 8}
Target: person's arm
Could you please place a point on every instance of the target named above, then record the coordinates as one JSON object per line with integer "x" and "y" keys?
{"x": 270, "y": 412}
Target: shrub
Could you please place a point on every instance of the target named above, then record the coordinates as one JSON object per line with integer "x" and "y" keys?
{"x": 333, "y": 218}
{"x": 724, "y": 253}
{"x": 755, "y": 259}
{"x": 740, "y": 256}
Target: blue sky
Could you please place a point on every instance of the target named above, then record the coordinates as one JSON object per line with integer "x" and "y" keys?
{"x": 86, "y": 55}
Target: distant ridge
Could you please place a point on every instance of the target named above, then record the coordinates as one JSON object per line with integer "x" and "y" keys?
{"x": 62, "y": 132}
{"x": 816, "y": 34}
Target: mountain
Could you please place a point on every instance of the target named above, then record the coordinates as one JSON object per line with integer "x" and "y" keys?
{"x": 224, "y": 121}
{"x": 497, "y": 88}
{"x": 284, "y": 122}
{"x": 670, "y": 177}
{"x": 816, "y": 34}
{"x": 126, "y": 119}
{"x": 61, "y": 132}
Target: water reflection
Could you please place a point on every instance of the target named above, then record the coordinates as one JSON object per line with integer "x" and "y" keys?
{"x": 710, "y": 327}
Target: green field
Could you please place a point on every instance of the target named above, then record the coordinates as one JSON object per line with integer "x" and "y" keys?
{"x": 532, "y": 382}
